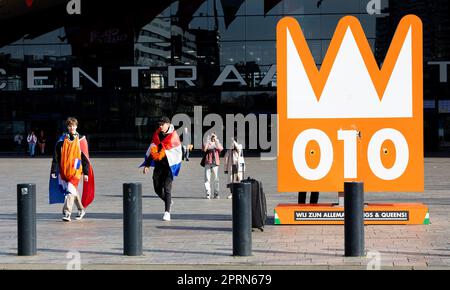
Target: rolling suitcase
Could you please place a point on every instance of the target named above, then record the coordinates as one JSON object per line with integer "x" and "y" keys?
{"x": 259, "y": 208}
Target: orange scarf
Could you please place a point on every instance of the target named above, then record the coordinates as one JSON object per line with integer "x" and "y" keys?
{"x": 71, "y": 168}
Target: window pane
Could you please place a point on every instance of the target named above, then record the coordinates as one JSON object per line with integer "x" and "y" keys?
{"x": 258, "y": 7}
{"x": 232, "y": 53}
{"x": 310, "y": 25}
{"x": 345, "y": 7}
{"x": 156, "y": 31}
{"x": 235, "y": 30}
{"x": 300, "y": 7}
{"x": 261, "y": 28}
{"x": 261, "y": 52}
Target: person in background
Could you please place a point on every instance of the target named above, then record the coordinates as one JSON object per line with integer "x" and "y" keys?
{"x": 234, "y": 163}
{"x": 212, "y": 149}
{"x": 18, "y": 139}
{"x": 186, "y": 143}
{"x": 313, "y": 199}
{"x": 41, "y": 142}
{"x": 32, "y": 140}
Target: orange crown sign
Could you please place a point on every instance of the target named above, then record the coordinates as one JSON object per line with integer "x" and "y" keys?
{"x": 350, "y": 120}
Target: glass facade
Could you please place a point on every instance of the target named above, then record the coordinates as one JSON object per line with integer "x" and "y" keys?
{"x": 119, "y": 66}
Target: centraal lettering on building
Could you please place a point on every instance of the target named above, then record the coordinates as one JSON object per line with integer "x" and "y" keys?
{"x": 339, "y": 216}
{"x": 38, "y": 77}
{"x": 228, "y": 75}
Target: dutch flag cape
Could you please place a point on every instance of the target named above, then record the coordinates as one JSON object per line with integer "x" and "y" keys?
{"x": 58, "y": 187}
{"x": 172, "y": 146}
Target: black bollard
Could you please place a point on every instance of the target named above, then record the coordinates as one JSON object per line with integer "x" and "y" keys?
{"x": 242, "y": 219}
{"x": 26, "y": 219}
{"x": 354, "y": 219}
{"x": 132, "y": 219}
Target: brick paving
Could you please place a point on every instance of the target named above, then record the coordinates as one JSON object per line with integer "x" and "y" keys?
{"x": 200, "y": 234}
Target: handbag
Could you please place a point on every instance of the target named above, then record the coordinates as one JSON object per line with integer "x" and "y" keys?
{"x": 202, "y": 163}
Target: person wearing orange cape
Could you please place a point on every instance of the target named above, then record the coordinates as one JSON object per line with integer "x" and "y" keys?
{"x": 70, "y": 163}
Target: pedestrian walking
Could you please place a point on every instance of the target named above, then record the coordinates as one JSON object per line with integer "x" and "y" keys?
{"x": 187, "y": 147}
{"x": 41, "y": 142}
{"x": 71, "y": 162}
{"x": 234, "y": 163}
{"x": 211, "y": 160}
{"x": 32, "y": 140}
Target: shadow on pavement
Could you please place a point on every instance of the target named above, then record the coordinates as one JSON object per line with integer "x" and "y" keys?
{"x": 188, "y": 228}
{"x": 292, "y": 253}
{"x": 12, "y": 253}
{"x": 119, "y": 216}
{"x": 157, "y": 197}
{"x": 407, "y": 253}
{"x": 192, "y": 252}
{"x": 81, "y": 252}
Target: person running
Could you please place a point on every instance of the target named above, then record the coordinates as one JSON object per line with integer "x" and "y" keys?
{"x": 164, "y": 154}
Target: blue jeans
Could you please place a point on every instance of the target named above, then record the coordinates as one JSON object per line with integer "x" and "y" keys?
{"x": 31, "y": 147}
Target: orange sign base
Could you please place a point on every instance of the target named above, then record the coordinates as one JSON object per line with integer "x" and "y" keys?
{"x": 332, "y": 214}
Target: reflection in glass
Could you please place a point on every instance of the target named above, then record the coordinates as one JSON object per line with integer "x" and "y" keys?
{"x": 232, "y": 53}
{"x": 261, "y": 52}
{"x": 261, "y": 27}
{"x": 206, "y": 34}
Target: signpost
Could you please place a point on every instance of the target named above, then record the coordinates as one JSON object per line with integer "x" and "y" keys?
{"x": 350, "y": 120}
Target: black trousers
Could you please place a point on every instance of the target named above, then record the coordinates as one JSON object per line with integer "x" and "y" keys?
{"x": 162, "y": 183}
{"x": 314, "y": 198}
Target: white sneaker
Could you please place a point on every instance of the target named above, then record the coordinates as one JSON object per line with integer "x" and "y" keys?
{"x": 216, "y": 196}
{"x": 166, "y": 216}
{"x": 208, "y": 196}
{"x": 66, "y": 217}
{"x": 80, "y": 215}
{"x": 230, "y": 196}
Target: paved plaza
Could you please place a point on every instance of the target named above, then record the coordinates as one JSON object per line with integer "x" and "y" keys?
{"x": 200, "y": 233}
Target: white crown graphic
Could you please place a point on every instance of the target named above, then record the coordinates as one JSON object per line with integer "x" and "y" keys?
{"x": 349, "y": 91}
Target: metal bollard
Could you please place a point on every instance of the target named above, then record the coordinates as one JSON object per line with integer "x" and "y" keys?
{"x": 242, "y": 219}
{"x": 26, "y": 219}
{"x": 132, "y": 219}
{"x": 354, "y": 219}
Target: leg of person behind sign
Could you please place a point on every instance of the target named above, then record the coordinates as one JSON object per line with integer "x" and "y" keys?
{"x": 314, "y": 198}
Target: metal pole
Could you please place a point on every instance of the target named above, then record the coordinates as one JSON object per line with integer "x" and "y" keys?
{"x": 242, "y": 219}
{"x": 132, "y": 219}
{"x": 26, "y": 219}
{"x": 354, "y": 219}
